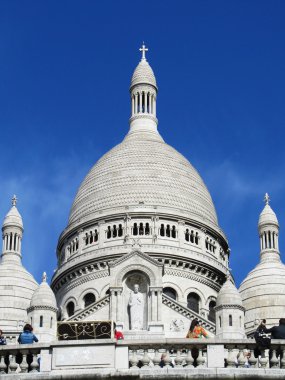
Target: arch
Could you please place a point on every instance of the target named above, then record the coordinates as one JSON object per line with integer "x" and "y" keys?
{"x": 86, "y": 291}
{"x": 135, "y": 268}
{"x": 178, "y": 290}
{"x": 41, "y": 321}
{"x": 198, "y": 291}
{"x": 230, "y": 320}
{"x": 193, "y": 302}
{"x": 170, "y": 292}
{"x": 88, "y": 299}
{"x": 70, "y": 309}
{"x": 212, "y": 313}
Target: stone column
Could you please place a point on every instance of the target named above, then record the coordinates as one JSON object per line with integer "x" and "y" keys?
{"x": 159, "y": 304}
{"x": 140, "y": 102}
{"x": 80, "y": 240}
{"x": 181, "y": 236}
{"x": 112, "y": 304}
{"x": 136, "y": 103}
{"x": 154, "y": 106}
{"x": 119, "y": 306}
{"x": 153, "y": 316}
{"x": 133, "y": 105}
{"x": 145, "y": 102}
{"x": 102, "y": 233}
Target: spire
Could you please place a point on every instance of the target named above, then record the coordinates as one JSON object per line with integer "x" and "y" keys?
{"x": 12, "y": 233}
{"x": 268, "y": 228}
{"x": 44, "y": 277}
{"x": 143, "y": 98}
{"x": 14, "y": 200}
{"x": 143, "y": 49}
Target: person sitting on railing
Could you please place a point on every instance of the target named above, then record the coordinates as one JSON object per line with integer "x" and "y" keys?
{"x": 27, "y": 336}
{"x": 2, "y": 338}
{"x": 196, "y": 331}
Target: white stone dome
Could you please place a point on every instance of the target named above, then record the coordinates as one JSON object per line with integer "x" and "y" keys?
{"x": 13, "y": 218}
{"x": 263, "y": 291}
{"x": 229, "y": 295}
{"x": 143, "y": 74}
{"x": 17, "y": 286}
{"x": 43, "y": 296}
{"x": 267, "y": 216}
{"x": 143, "y": 170}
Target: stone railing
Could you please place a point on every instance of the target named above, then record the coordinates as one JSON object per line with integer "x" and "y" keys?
{"x": 206, "y": 353}
{"x": 17, "y": 358}
{"x": 234, "y": 359}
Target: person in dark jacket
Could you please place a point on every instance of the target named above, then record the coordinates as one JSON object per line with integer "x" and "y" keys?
{"x": 27, "y": 336}
{"x": 277, "y": 332}
{"x": 2, "y": 338}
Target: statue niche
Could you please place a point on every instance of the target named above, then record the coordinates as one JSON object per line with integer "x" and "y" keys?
{"x": 136, "y": 290}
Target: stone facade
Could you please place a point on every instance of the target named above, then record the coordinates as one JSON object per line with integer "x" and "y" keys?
{"x": 142, "y": 215}
{"x": 142, "y": 222}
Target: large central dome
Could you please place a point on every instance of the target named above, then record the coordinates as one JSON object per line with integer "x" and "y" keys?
{"x": 143, "y": 170}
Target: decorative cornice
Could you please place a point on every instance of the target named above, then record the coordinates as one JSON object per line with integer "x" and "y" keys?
{"x": 229, "y": 306}
{"x": 45, "y": 307}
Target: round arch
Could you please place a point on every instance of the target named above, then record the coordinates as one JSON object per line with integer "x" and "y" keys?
{"x": 135, "y": 268}
{"x": 178, "y": 290}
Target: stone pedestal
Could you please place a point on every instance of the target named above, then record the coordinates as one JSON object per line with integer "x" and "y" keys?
{"x": 156, "y": 327}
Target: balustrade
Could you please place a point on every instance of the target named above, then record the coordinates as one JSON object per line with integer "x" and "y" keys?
{"x": 150, "y": 354}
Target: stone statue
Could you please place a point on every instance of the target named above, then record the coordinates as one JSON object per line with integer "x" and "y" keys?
{"x": 136, "y": 308}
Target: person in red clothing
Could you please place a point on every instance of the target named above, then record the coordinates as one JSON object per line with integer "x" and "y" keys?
{"x": 118, "y": 334}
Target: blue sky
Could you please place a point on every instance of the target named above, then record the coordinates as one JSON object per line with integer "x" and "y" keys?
{"x": 65, "y": 69}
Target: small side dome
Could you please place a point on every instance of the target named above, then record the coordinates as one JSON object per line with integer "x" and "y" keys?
{"x": 143, "y": 73}
{"x": 229, "y": 295}
{"x": 13, "y": 218}
{"x": 267, "y": 216}
{"x": 43, "y": 296}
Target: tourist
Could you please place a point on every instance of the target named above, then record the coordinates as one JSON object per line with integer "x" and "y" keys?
{"x": 260, "y": 336}
{"x": 27, "y": 336}
{"x": 196, "y": 331}
{"x": 162, "y": 361}
{"x": 2, "y": 339}
{"x": 117, "y": 334}
{"x": 277, "y": 332}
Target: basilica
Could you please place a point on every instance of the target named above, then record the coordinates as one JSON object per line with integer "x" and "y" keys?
{"x": 142, "y": 247}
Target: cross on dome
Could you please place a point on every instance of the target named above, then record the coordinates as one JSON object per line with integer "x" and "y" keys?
{"x": 143, "y": 49}
{"x": 266, "y": 199}
{"x": 14, "y": 200}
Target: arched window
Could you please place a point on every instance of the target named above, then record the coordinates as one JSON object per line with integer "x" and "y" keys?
{"x": 141, "y": 232}
{"x": 196, "y": 238}
{"x": 193, "y": 302}
{"x": 70, "y": 308}
{"x": 170, "y": 292}
{"x": 91, "y": 237}
{"x": 147, "y": 229}
{"x": 230, "y": 320}
{"x": 88, "y": 299}
{"x": 41, "y": 321}
{"x": 168, "y": 230}
{"x": 220, "y": 321}
{"x": 192, "y": 237}
{"x": 96, "y": 235}
{"x": 162, "y": 233}
{"x": 86, "y": 239}
{"x": 187, "y": 235}
{"x": 212, "y": 314}
{"x": 51, "y": 322}
{"x": 135, "y": 229}
{"x": 173, "y": 232}
{"x": 120, "y": 230}
{"x": 109, "y": 232}
{"x": 114, "y": 231}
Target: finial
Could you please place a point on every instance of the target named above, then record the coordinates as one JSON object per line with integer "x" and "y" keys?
{"x": 44, "y": 277}
{"x": 14, "y": 200}
{"x": 266, "y": 199}
{"x": 143, "y": 49}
